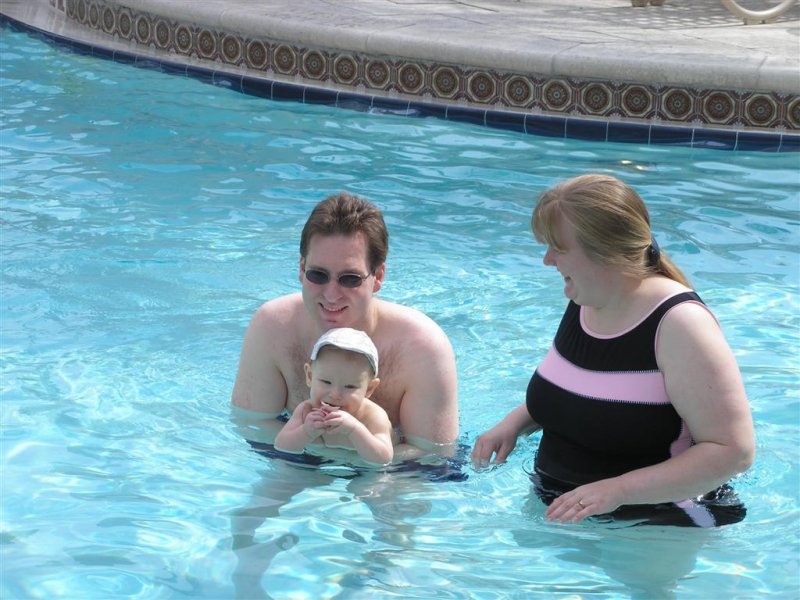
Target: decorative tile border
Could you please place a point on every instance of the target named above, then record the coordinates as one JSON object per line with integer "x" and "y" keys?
{"x": 534, "y": 124}
{"x": 443, "y": 83}
{"x": 556, "y": 107}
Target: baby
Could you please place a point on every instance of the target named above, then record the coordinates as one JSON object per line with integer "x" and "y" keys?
{"x": 342, "y": 375}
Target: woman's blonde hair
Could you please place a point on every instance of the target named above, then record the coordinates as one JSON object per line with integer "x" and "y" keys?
{"x": 611, "y": 224}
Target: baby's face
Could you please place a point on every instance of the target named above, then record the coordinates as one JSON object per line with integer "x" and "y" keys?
{"x": 338, "y": 379}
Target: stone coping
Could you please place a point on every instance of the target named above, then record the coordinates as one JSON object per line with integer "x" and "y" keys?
{"x": 563, "y": 106}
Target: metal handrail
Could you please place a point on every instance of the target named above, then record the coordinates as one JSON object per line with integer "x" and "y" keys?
{"x": 751, "y": 17}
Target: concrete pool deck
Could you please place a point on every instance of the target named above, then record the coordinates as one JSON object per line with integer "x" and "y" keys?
{"x": 687, "y": 63}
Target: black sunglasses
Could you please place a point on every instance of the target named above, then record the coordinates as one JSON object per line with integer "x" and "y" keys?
{"x": 346, "y": 280}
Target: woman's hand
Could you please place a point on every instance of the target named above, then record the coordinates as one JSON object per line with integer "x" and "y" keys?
{"x": 595, "y": 498}
{"x": 498, "y": 442}
{"x": 501, "y": 439}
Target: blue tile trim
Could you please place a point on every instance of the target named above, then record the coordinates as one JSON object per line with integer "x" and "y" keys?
{"x": 200, "y": 74}
{"x": 148, "y": 63}
{"x": 349, "y": 100}
{"x": 464, "y": 114}
{"x": 103, "y": 53}
{"x": 631, "y": 133}
{"x": 507, "y": 121}
{"x": 257, "y": 87}
{"x": 546, "y": 126}
{"x": 173, "y": 68}
{"x": 670, "y": 134}
{"x": 287, "y": 91}
{"x": 227, "y": 80}
{"x": 753, "y": 140}
{"x": 534, "y": 124}
{"x": 428, "y": 109}
{"x": 584, "y": 129}
{"x": 789, "y": 143}
{"x": 319, "y": 96}
{"x": 389, "y": 106}
{"x": 715, "y": 139}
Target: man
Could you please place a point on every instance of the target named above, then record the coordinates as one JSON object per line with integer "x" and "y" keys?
{"x": 343, "y": 251}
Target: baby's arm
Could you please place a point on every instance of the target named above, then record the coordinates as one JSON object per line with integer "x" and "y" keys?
{"x": 372, "y": 438}
{"x": 303, "y": 427}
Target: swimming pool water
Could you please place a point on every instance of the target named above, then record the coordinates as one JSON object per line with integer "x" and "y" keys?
{"x": 144, "y": 217}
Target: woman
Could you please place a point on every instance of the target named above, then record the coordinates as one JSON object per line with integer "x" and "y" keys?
{"x": 640, "y": 401}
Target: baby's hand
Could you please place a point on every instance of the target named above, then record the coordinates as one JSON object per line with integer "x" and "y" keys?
{"x": 314, "y": 423}
{"x": 339, "y": 421}
{"x": 327, "y": 408}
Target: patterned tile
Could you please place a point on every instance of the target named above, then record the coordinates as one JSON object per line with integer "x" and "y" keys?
{"x": 377, "y": 74}
{"x": 183, "y": 39}
{"x": 445, "y": 82}
{"x": 284, "y": 60}
{"x": 109, "y": 20}
{"x": 793, "y": 114}
{"x": 410, "y": 78}
{"x": 677, "y": 105}
{"x": 346, "y": 69}
{"x": 143, "y": 29}
{"x": 454, "y": 87}
{"x": 761, "y": 109}
{"x": 124, "y": 23}
{"x": 94, "y": 16}
{"x": 557, "y": 95}
{"x": 206, "y": 45}
{"x": 719, "y": 107}
{"x": 232, "y": 49}
{"x": 163, "y": 34}
{"x": 256, "y": 55}
{"x": 519, "y": 91}
{"x": 597, "y": 98}
{"x": 483, "y": 87}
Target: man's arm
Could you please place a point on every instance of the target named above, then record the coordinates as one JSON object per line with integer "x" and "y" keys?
{"x": 429, "y": 408}
{"x": 260, "y": 386}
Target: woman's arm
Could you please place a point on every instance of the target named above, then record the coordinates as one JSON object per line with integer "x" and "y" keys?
{"x": 705, "y": 387}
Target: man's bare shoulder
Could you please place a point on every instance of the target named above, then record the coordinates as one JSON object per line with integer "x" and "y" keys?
{"x": 265, "y": 376}
{"x": 416, "y": 327}
{"x": 281, "y": 310}
{"x": 411, "y": 344}
{"x": 282, "y": 316}
{"x": 282, "y": 322}
{"x": 417, "y": 366}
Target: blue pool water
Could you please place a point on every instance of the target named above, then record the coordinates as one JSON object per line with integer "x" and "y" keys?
{"x": 144, "y": 217}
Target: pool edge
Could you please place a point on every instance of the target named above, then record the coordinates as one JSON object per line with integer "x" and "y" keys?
{"x": 537, "y": 122}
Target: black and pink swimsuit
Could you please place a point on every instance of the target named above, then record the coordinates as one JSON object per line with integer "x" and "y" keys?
{"x": 603, "y": 407}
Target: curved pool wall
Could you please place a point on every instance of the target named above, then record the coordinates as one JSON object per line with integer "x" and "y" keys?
{"x": 205, "y": 45}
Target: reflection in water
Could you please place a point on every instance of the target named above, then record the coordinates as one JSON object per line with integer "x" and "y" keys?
{"x": 648, "y": 560}
{"x": 392, "y": 495}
